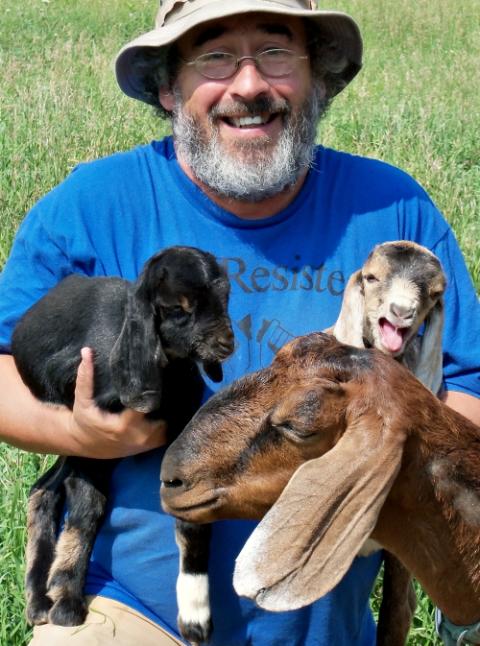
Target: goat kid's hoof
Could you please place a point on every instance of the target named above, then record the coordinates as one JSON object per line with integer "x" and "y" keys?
{"x": 37, "y": 610}
{"x": 195, "y": 633}
{"x": 68, "y": 611}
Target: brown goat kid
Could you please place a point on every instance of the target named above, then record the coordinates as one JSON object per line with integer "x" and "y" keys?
{"x": 399, "y": 288}
{"x": 340, "y": 444}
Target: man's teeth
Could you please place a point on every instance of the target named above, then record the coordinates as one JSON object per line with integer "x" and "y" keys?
{"x": 241, "y": 122}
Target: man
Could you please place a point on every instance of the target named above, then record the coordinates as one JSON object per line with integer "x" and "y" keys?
{"x": 245, "y": 83}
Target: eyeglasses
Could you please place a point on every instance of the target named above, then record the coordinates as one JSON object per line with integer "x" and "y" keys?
{"x": 222, "y": 65}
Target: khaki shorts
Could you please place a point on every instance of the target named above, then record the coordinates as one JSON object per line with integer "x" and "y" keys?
{"x": 108, "y": 622}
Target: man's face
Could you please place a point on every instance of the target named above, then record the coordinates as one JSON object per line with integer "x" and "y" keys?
{"x": 254, "y": 158}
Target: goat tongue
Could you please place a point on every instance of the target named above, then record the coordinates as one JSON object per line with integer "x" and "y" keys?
{"x": 391, "y": 336}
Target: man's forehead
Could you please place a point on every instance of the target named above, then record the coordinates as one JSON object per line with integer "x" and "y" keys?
{"x": 269, "y": 24}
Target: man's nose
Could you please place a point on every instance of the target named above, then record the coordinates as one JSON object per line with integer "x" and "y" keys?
{"x": 248, "y": 83}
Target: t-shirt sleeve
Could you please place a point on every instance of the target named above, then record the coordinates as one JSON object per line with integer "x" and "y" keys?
{"x": 423, "y": 223}
{"x": 461, "y": 336}
{"x": 72, "y": 229}
{"x": 36, "y": 263}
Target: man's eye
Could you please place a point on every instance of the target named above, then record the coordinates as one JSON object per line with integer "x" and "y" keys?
{"x": 275, "y": 53}
{"x": 217, "y": 56}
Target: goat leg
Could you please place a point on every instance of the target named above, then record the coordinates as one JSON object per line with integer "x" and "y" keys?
{"x": 194, "y": 616}
{"x": 45, "y": 504}
{"x": 86, "y": 496}
{"x": 398, "y": 603}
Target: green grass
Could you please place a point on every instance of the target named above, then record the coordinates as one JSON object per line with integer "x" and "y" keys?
{"x": 415, "y": 105}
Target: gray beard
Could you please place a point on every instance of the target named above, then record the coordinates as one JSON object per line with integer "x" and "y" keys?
{"x": 253, "y": 170}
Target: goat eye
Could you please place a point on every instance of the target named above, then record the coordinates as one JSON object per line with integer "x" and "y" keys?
{"x": 177, "y": 313}
{"x": 370, "y": 278}
{"x": 284, "y": 426}
{"x": 294, "y": 432}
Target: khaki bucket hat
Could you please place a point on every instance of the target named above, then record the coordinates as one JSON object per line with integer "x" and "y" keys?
{"x": 176, "y": 17}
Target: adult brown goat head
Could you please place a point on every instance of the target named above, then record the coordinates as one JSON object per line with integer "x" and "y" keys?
{"x": 372, "y": 453}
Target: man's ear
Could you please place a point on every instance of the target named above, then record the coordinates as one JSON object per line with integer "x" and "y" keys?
{"x": 166, "y": 98}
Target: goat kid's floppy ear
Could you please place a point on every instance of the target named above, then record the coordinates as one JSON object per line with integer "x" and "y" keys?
{"x": 137, "y": 358}
{"x": 309, "y": 538}
{"x": 349, "y": 325}
{"x": 429, "y": 369}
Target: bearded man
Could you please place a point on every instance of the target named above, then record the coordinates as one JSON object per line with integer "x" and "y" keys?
{"x": 245, "y": 83}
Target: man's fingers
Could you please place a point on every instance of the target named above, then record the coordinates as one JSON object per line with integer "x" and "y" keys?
{"x": 84, "y": 383}
{"x": 111, "y": 435}
{"x": 156, "y": 436}
{"x": 150, "y": 434}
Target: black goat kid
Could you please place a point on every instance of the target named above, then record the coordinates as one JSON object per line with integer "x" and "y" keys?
{"x": 146, "y": 337}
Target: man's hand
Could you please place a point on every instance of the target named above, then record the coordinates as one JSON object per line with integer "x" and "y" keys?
{"x": 87, "y": 431}
{"x": 101, "y": 434}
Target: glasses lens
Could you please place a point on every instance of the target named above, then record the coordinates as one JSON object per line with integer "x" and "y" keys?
{"x": 276, "y": 62}
{"x": 216, "y": 65}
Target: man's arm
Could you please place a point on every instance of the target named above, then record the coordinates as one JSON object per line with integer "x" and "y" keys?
{"x": 86, "y": 431}
{"x": 467, "y": 405}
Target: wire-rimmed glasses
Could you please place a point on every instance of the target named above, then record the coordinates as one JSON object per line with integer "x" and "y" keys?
{"x": 274, "y": 63}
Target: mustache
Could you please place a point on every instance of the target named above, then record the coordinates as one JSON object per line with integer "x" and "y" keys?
{"x": 250, "y": 108}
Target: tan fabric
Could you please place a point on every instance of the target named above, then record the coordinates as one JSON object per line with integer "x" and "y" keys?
{"x": 108, "y": 622}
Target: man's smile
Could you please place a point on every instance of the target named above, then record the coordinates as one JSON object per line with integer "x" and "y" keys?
{"x": 265, "y": 120}
{"x": 259, "y": 115}
{"x": 245, "y": 122}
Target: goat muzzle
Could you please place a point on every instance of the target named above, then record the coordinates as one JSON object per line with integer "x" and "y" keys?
{"x": 189, "y": 504}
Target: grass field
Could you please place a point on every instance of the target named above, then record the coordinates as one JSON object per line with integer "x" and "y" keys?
{"x": 414, "y": 105}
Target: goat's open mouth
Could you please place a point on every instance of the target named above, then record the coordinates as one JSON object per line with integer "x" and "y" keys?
{"x": 392, "y": 337}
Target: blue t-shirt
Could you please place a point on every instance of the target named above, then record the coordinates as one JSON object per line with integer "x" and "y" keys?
{"x": 288, "y": 273}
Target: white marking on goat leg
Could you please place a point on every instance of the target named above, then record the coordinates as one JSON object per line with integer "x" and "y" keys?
{"x": 192, "y": 598}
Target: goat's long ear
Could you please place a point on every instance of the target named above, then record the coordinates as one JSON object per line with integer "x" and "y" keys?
{"x": 137, "y": 358}
{"x": 349, "y": 325}
{"x": 309, "y": 538}
{"x": 429, "y": 368}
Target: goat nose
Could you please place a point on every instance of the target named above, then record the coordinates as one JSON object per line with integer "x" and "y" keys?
{"x": 402, "y": 311}
{"x": 228, "y": 338}
{"x": 171, "y": 473}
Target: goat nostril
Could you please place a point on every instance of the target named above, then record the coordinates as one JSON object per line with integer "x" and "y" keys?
{"x": 226, "y": 343}
{"x": 172, "y": 484}
{"x": 402, "y": 311}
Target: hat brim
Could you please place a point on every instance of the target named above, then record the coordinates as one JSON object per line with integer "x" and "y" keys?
{"x": 338, "y": 24}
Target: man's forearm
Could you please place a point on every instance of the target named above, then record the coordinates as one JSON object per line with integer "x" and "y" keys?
{"x": 467, "y": 405}
{"x": 29, "y": 424}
